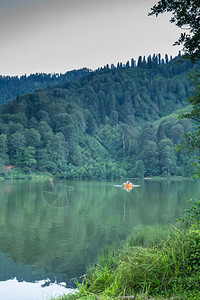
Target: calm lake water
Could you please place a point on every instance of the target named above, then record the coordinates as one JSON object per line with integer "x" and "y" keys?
{"x": 52, "y": 230}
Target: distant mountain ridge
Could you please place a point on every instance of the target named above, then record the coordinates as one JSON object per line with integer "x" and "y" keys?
{"x": 13, "y": 86}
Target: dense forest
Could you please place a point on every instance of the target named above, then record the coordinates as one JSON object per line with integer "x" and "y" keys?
{"x": 11, "y": 87}
{"x": 119, "y": 121}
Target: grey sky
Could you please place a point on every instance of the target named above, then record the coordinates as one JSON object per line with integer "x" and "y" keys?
{"x": 61, "y": 35}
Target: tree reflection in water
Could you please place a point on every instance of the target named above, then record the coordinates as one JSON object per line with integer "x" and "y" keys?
{"x": 58, "y": 194}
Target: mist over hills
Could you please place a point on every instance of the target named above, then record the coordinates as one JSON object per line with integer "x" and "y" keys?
{"x": 105, "y": 124}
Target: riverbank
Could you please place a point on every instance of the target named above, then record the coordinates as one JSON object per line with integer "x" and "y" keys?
{"x": 19, "y": 174}
{"x": 159, "y": 262}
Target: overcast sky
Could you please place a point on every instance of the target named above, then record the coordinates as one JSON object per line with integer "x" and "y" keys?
{"x": 61, "y": 35}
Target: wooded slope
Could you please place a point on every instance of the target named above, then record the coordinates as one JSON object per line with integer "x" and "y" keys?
{"x": 104, "y": 125}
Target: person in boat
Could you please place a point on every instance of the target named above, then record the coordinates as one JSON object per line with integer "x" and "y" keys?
{"x": 128, "y": 186}
{"x": 127, "y": 183}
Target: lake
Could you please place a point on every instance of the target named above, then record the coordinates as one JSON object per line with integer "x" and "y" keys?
{"x": 54, "y": 229}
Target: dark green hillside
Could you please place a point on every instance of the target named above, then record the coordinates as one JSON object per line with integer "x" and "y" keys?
{"x": 103, "y": 125}
{"x": 11, "y": 87}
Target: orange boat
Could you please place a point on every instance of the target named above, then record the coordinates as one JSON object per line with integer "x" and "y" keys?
{"x": 128, "y": 185}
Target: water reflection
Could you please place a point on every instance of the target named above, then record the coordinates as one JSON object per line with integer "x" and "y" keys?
{"x": 13, "y": 289}
{"x": 55, "y": 230}
{"x": 59, "y": 194}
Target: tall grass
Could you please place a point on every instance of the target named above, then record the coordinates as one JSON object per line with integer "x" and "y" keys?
{"x": 147, "y": 236}
{"x": 154, "y": 262}
{"x": 160, "y": 262}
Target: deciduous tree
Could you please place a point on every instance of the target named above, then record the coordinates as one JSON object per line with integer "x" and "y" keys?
{"x": 186, "y": 15}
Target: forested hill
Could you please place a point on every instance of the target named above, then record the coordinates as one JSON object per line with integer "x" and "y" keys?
{"x": 105, "y": 125}
{"x": 11, "y": 87}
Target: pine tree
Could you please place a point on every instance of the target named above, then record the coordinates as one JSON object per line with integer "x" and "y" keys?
{"x": 139, "y": 61}
{"x": 132, "y": 63}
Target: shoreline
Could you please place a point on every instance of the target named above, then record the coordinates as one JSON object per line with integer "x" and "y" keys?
{"x": 19, "y": 175}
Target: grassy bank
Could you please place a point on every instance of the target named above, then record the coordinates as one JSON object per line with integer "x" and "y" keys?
{"x": 154, "y": 263}
{"x": 20, "y": 174}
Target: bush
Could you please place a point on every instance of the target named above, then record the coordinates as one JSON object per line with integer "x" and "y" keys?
{"x": 192, "y": 214}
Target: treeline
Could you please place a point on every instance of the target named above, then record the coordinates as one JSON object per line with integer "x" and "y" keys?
{"x": 104, "y": 125}
{"x": 12, "y": 86}
{"x": 142, "y": 62}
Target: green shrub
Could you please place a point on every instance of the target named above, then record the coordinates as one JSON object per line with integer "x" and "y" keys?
{"x": 192, "y": 214}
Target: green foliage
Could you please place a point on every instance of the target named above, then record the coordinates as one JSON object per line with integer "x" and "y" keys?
{"x": 29, "y": 159}
{"x": 139, "y": 169}
{"x": 149, "y": 156}
{"x": 192, "y": 214}
{"x": 96, "y": 127}
{"x": 11, "y": 87}
{"x": 184, "y": 14}
{"x": 191, "y": 141}
{"x": 148, "y": 236}
{"x": 3, "y": 149}
{"x": 168, "y": 266}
